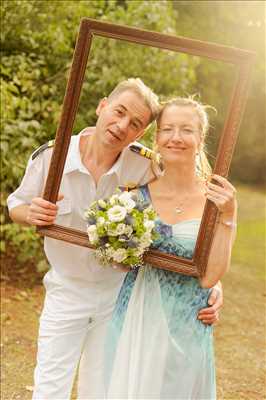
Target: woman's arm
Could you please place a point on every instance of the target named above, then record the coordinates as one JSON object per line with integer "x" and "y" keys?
{"x": 225, "y": 230}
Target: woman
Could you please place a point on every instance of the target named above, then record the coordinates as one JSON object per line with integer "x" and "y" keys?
{"x": 156, "y": 347}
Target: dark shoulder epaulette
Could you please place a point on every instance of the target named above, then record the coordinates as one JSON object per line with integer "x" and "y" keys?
{"x": 147, "y": 153}
{"x": 143, "y": 151}
{"x": 42, "y": 148}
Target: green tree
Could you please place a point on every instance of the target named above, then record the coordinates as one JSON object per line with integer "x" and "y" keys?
{"x": 37, "y": 44}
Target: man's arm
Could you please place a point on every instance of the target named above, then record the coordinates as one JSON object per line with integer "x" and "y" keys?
{"x": 210, "y": 315}
{"x": 40, "y": 212}
{"x": 25, "y": 204}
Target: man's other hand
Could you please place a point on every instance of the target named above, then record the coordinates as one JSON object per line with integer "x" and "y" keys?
{"x": 210, "y": 315}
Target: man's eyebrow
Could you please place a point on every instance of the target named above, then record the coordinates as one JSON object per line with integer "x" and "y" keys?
{"x": 135, "y": 118}
{"x": 121, "y": 105}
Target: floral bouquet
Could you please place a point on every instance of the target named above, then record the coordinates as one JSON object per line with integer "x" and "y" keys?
{"x": 121, "y": 228}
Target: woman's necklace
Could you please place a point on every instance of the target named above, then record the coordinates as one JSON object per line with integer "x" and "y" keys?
{"x": 179, "y": 207}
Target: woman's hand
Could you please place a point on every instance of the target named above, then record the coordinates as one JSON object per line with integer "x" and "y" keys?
{"x": 222, "y": 195}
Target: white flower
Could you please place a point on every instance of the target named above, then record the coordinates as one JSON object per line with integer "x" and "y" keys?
{"x": 102, "y": 203}
{"x": 139, "y": 251}
{"x": 111, "y": 231}
{"x": 114, "y": 199}
{"x": 100, "y": 220}
{"x": 120, "y": 229}
{"x": 126, "y": 201}
{"x": 117, "y": 213}
{"x": 148, "y": 209}
{"x": 128, "y": 230}
{"x": 119, "y": 255}
{"x": 109, "y": 252}
{"x": 89, "y": 213}
{"x": 92, "y": 233}
{"x": 124, "y": 196}
{"x": 145, "y": 240}
{"x": 149, "y": 225}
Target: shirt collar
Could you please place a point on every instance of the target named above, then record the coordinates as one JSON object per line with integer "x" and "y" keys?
{"x": 73, "y": 160}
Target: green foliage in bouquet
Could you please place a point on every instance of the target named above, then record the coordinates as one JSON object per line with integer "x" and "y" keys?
{"x": 121, "y": 228}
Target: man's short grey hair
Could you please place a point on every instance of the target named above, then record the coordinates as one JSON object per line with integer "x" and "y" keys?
{"x": 137, "y": 86}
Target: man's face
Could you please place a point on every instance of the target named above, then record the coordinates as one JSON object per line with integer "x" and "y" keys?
{"x": 121, "y": 120}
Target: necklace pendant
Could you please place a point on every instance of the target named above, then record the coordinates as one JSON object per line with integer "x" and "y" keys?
{"x": 178, "y": 210}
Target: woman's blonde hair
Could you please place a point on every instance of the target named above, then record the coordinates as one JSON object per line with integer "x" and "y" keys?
{"x": 202, "y": 164}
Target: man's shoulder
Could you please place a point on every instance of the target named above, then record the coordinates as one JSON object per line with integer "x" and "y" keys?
{"x": 142, "y": 151}
{"x": 42, "y": 148}
{"x": 50, "y": 144}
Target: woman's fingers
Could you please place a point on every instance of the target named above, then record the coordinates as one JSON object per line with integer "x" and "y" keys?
{"x": 222, "y": 197}
{"x": 224, "y": 182}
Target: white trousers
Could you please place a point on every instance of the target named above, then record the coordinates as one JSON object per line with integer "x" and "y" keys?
{"x": 67, "y": 340}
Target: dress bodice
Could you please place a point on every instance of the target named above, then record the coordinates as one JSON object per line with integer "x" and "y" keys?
{"x": 178, "y": 239}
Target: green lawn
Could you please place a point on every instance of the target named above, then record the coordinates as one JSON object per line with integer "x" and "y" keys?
{"x": 249, "y": 248}
{"x": 240, "y": 335}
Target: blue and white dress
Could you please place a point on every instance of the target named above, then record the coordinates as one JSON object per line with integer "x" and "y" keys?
{"x": 156, "y": 348}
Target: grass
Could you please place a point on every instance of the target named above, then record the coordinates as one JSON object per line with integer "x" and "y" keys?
{"x": 249, "y": 248}
{"x": 239, "y": 337}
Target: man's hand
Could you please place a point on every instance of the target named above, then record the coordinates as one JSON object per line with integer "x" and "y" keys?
{"x": 210, "y": 315}
{"x": 42, "y": 212}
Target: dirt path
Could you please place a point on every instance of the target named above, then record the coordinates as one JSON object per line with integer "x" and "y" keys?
{"x": 240, "y": 335}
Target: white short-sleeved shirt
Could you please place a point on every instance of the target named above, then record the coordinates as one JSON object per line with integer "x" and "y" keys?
{"x": 79, "y": 190}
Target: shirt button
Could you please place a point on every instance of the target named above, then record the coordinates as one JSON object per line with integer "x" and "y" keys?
{"x": 90, "y": 320}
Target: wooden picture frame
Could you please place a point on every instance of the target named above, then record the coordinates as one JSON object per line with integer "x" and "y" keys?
{"x": 242, "y": 61}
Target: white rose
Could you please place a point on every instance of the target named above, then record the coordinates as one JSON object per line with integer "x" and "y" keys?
{"x": 117, "y": 213}
{"x": 119, "y": 255}
{"x": 130, "y": 204}
{"x": 120, "y": 229}
{"x": 92, "y": 233}
{"x": 128, "y": 230}
{"x": 149, "y": 225}
{"x": 92, "y": 229}
{"x": 124, "y": 196}
{"x": 126, "y": 200}
{"x": 145, "y": 240}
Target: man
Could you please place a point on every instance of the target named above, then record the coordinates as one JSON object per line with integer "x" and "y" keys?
{"x": 80, "y": 294}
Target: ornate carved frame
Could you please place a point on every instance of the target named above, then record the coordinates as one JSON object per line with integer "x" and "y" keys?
{"x": 241, "y": 59}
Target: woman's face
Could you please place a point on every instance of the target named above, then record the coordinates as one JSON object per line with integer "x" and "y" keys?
{"x": 178, "y": 137}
